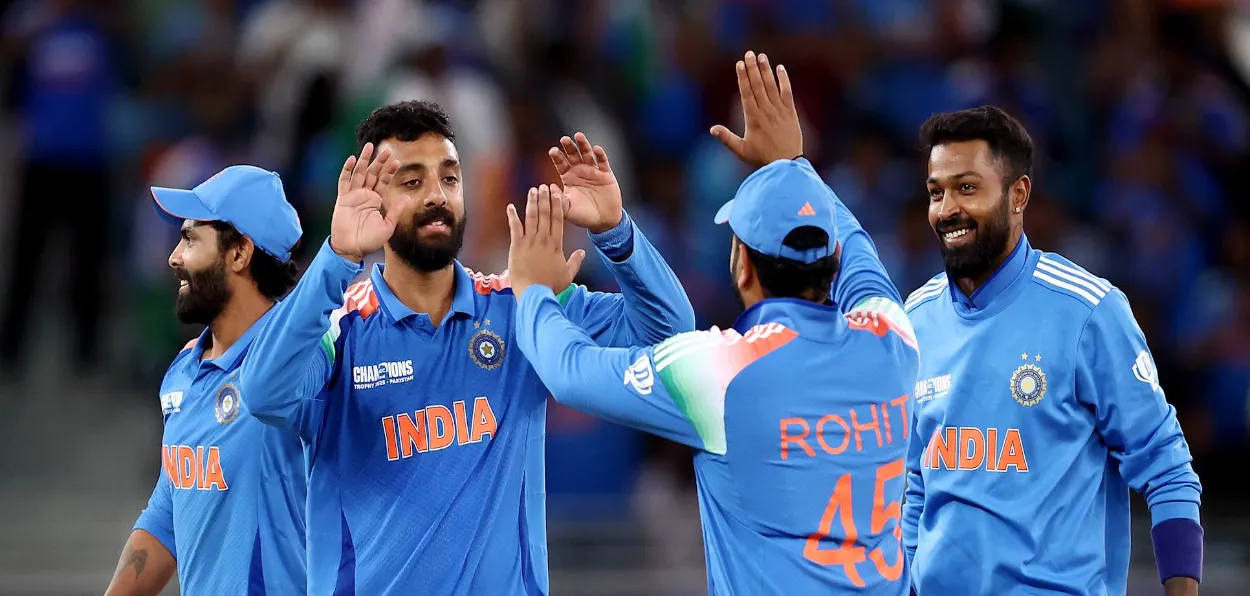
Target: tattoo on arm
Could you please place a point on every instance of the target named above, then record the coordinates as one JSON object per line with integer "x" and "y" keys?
{"x": 138, "y": 559}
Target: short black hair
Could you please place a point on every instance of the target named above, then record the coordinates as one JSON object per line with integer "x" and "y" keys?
{"x": 404, "y": 121}
{"x": 1009, "y": 142}
{"x": 274, "y": 278}
{"x": 788, "y": 278}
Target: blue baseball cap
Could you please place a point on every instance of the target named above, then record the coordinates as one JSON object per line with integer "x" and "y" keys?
{"x": 247, "y": 197}
{"x": 775, "y": 200}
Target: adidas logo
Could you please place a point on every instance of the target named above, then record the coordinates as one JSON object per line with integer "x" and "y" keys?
{"x": 807, "y": 209}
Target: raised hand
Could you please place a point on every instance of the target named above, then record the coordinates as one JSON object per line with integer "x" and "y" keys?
{"x": 536, "y": 252}
{"x": 592, "y": 195}
{"x": 361, "y": 225}
{"x": 772, "y": 122}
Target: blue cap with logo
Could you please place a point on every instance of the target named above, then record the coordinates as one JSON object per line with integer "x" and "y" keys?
{"x": 247, "y": 197}
{"x": 774, "y": 201}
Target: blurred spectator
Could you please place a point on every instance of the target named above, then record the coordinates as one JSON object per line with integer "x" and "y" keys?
{"x": 65, "y": 62}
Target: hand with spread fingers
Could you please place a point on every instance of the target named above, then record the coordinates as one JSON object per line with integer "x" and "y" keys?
{"x": 536, "y": 252}
{"x": 361, "y": 224}
{"x": 591, "y": 193}
{"x": 772, "y": 122}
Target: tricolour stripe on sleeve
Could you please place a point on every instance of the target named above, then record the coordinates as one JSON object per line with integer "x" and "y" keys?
{"x": 697, "y": 367}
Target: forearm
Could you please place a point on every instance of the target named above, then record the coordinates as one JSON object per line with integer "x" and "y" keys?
{"x": 144, "y": 568}
{"x": 1180, "y": 586}
{"x": 656, "y": 304}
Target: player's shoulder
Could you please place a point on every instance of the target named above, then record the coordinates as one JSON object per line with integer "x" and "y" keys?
{"x": 703, "y": 348}
{"x": 881, "y": 316}
{"x": 361, "y": 299}
{"x": 486, "y": 284}
{"x": 1062, "y": 276}
{"x": 935, "y": 287}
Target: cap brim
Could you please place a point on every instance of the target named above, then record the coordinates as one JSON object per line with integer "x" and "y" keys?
{"x": 722, "y": 214}
{"x": 176, "y": 205}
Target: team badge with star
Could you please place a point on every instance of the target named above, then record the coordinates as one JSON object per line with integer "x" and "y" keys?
{"x": 486, "y": 348}
{"x": 228, "y": 404}
{"x": 1028, "y": 382}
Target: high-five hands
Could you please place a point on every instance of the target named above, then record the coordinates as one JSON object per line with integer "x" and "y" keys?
{"x": 772, "y": 122}
{"x": 536, "y": 253}
{"x": 361, "y": 224}
{"x": 591, "y": 194}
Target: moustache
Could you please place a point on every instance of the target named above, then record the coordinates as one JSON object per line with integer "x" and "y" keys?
{"x": 435, "y": 214}
{"x": 182, "y": 274}
{"x": 955, "y": 223}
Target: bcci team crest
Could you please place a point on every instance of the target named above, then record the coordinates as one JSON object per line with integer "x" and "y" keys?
{"x": 1028, "y": 383}
{"x": 228, "y": 403}
{"x": 486, "y": 348}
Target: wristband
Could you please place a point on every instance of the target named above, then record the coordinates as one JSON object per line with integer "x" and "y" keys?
{"x": 1178, "y": 549}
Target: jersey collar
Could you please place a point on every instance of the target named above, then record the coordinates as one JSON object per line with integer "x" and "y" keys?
{"x": 1002, "y": 279}
{"x": 793, "y": 312}
{"x": 228, "y": 361}
{"x": 461, "y": 303}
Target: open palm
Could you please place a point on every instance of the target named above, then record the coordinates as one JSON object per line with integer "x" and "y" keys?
{"x": 359, "y": 225}
{"x": 592, "y": 194}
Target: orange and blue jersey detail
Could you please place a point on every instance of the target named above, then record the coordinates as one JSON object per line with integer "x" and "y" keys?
{"x": 425, "y": 444}
{"x": 799, "y": 416}
{"x": 228, "y": 503}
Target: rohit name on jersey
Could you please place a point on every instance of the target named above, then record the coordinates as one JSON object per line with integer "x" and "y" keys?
{"x": 375, "y": 375}
{"x": 194, "y": 467}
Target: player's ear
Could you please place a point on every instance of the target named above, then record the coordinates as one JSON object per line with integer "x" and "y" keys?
{"x": 1021, "y": 190}
{"x": 746, "y": 270}
{"x": 239, "y": 257}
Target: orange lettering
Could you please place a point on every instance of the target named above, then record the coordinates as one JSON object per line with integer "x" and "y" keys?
{"x": 901, "y": 402}
{"x": 881, "y": 515}
{"x": 169, "y": 460}
{"x": 991, "y": 454}
{"x": 188, "y": 466}
{"x": 388, "y": 431}
{"x": 971, "y": 448}
{"x": 820, "y": 434}
{"x": 462, "y": 422}
{"x": 214, "y": 477}
{"x": 859, "y": 446}
{"x": 483, "y": 420}
{"x": 942, "y": 446}
{"x": 885, "y": 420}
{"x": 847, "y": 554}
{"x": 786, "y": 438}
{"x": 412, "y": 433}
{"x": 199, "y": 466}
{"x": 440, "y": 424}
{"x": 1012, "y": 453}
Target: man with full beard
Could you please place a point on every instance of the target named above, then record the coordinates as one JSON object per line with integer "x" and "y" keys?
{"x": 423, "y": 425}
{"x": 227, "y": 511}
{"x": 1038, "y": 404}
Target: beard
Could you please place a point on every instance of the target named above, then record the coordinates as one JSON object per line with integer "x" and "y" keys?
{"x": 429, "y": 254}
{"x": 990, "y": 241}
{"x": 206, "y": 297}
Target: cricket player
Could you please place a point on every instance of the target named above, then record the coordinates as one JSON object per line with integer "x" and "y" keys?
{"x": 423, "y": 426}
{"x": 1038, "y": 404}
{"x": 228, "y": 507}
{"x": 798, "y": 414}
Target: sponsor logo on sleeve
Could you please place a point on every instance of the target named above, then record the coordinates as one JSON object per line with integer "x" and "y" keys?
{"x": 640, "y": 375}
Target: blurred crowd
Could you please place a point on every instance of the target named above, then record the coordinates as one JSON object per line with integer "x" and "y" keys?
{"x": 1139, "y": 111}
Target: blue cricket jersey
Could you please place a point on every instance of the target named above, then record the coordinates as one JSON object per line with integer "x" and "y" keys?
{"x": 799, "y": 416}
{"x": 229, "y": 502}
{"x": 1038, "y": 407}
{"x": 425, "y": 444}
